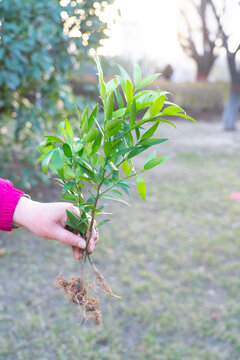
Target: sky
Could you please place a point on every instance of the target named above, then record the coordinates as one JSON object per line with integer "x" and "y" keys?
{"x": 148, "y": 28}
{"x": 143, "y": 30}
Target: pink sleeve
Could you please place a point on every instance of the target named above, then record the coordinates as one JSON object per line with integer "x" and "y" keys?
{"x": 9, "y": 197}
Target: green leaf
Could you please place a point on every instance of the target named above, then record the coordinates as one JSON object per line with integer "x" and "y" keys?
{"x": 63, "y": 131}
{"x": 68, "y": 186}
{"x": 92, "y": 117}
{"x": 84, "y": 117}
{"x": 166, "y": 121}
{"x": 124, "y": 73}
{"x": 152, "y": 163}
{"x": 112, "y": 166}
{"x": 125, "y": 167}
{"x": 68, "y": 173}
{"x": 137, "y": 75}
{"x": 112, "y": 123}
{"x": 103, "y": 222}
{"x": 115, "y": 198}
{"x": 148, "y": 80}
{"x": 67, "y": 150}
{"x": 70, "y": 197}
{"x": 102, "y": 90}
{"x": 136, "y": 151}
{"x": 133, "y": 114}
{"x": 137, "y": 133}
{"x": 84, "y": 127}
{"x": 124, "y": 187}
{"x": 150, "y": 157}
{"x": 129, "y": 139}
{"x": 119, "y": 113}
{"x": 108, "y": 108}
{"x": 78, "y": 146}
{"x": 58, "y": 162}
{"x": 102, "y": 85}
{"x": 91, "y": 135}
{"x": 129, "y": 91}
{"x": 114, "y": 130}
{"x": 150, "y": 131}
{"x": 78, "y": 113}
{"x": 185, "y": 117}
{"x": 115, "y": 145}
{"x": 102, "y": 160}
{"x": 151, "y": 142}
{"x": 98, "y": 125}
{"x": 116, "y": 192}
{"x": 46, "y": 160}
{"x": 74, "y": 221}
{"x": 87, "y": 171}
{"x": 112, "y": 85}
{"x": 69, "y": 131}
{"x": 141, "y": 186}
{"x": 107, "y": 146}
{"x": 39, "y": 159}
{"x": 51, "y": 138}
{"x": 172, "y": 110}
{"x": 97, "y": 143}
{"x": 119, "y": 99}
{"x": 157, "y": 106}
{"x": 83, "y": 226}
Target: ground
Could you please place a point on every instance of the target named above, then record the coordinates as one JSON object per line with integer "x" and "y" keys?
{"x": 174, "y": 259}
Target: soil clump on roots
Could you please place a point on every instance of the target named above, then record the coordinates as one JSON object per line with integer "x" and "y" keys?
{"x": 76, "y": 292}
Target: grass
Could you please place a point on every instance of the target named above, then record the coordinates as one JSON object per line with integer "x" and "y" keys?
{"x": 174, "y": 259}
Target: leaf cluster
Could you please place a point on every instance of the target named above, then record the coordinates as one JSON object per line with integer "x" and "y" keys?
{"x": 101, "y": 155}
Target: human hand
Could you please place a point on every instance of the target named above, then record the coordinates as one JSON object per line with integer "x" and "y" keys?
{"x": 48, "y": 221}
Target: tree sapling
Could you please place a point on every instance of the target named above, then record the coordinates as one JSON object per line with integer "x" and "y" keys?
{"x": 99, "y": 156}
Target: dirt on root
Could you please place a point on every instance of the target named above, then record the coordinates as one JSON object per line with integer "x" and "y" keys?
{"x": 77, "y": 293}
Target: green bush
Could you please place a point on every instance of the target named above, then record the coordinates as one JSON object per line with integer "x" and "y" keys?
{"x": 41, "y": 42}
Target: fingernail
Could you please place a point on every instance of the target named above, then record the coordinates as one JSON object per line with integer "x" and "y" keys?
{"x": 82, "y": 244}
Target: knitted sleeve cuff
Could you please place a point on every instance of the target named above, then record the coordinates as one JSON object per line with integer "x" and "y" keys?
{"x": 10, "y": 198}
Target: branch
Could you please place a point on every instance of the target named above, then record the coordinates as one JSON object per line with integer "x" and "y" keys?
{"x": 218, "y": 18}
{"x": 190, "y": 46}
{"x": 230, "y": 55}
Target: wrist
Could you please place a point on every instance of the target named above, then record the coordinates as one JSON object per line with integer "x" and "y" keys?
{"x": 22, "y": 209}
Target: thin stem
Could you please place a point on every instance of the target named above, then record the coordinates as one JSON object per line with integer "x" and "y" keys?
{"x": 93, "y": 218}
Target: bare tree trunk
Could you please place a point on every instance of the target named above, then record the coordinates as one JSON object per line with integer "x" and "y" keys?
{"x": 231, "y": 110}
{"x": 204, "y": 59}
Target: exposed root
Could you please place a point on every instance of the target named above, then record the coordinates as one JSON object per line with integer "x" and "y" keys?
{"x": 77, "y": 293}
{"x": 104, "y": 284}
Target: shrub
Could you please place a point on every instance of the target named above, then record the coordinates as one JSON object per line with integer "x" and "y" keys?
{"x": 41, "y": 42}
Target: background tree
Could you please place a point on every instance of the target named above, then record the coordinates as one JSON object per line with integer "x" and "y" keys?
{"x": 198, "y": 38}
{"x": 232, "y": 106}
{"x": 41, "y": 43}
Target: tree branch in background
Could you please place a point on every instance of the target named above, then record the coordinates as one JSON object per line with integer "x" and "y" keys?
{"x": 205, "y": 59}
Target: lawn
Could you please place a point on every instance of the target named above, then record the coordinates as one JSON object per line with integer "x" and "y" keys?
{"x": 174, "y": 259}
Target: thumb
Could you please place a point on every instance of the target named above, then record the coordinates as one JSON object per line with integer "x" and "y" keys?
{"x": 67, "y": 237}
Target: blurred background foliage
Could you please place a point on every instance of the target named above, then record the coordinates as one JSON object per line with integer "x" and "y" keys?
{"x": 42, "y": 44}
